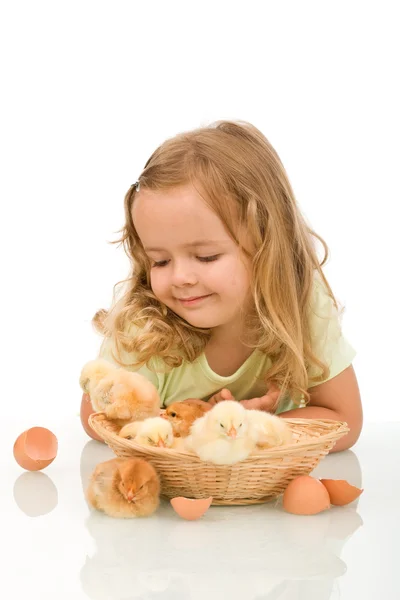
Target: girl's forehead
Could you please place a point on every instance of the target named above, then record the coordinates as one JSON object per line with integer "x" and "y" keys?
{"x": 179, "y": 213}
{"x": 180, "y": 218}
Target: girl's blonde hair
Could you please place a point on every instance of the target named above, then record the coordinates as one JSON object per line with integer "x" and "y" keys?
{"x": 227, "y": 162}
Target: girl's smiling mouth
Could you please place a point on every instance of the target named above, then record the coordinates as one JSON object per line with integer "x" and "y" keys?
{"x": 192, "y": 300}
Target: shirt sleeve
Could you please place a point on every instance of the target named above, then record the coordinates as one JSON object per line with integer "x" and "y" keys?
{"x": 327, "y": 339}
{"x": 106, "y": 351}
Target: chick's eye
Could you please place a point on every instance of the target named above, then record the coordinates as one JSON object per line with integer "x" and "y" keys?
{"x": 173, "y": 414}
{"x": 222, "y": 425}
{"x": 240, "y": 424}
{"x": 150, "y": 440}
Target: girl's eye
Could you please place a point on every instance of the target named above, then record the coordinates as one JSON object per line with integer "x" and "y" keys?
{"x": 163, "y": 263}
{"x": 208, "y": 258}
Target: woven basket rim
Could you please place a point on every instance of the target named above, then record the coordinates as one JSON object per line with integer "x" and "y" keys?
{"x": 335, "y": 430}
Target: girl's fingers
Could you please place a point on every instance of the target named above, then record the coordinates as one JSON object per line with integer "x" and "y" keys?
{"x": 266, "y": 403}
{"x": 253, "y": 404}
{"x": 213, "y": 400}
{"x": 222, "y": 395}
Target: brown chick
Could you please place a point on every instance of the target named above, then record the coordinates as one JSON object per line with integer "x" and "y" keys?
{"x": 124, "y": 488}
{"x": 122, "y": 395}
{"x": 182, "y": 415}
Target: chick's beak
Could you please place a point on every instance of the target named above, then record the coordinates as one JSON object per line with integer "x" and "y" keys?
{"x": 129, "y": 497}
{"x": 232, "y": 432}
{"x": 161, "y": 443}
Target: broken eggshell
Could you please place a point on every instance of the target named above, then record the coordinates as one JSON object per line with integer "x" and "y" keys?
{"x": 35, "y": 448}
{"x": 87, "y": 410}
{"x": 340, "y": 491}
{"x": 191, "y": 509}
{"x": 305, "y": 495}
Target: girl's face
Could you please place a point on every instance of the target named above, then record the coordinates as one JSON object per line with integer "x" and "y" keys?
{"x": 197, "y": 270}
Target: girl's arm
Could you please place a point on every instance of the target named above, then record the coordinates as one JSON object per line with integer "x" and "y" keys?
{"x": 338, "y": 399}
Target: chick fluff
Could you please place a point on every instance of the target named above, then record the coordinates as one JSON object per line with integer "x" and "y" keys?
{"x": 122, "y": 395}
{"x": 183, "y": 414}
{"x": 223, "y": 435}
{"x": 124, "y": 487}
{"x": 154, "y": 431}
{"x": 270, "y": 430}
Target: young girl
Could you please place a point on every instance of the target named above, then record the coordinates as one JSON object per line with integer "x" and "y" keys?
{"x": 226, "y": 297}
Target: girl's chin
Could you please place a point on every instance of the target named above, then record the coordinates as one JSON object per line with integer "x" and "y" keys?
{"x": 199, "y": 323}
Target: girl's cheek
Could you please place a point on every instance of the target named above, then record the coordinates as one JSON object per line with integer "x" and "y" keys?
{"x": 153, "y": 282}
{"x": 157, "y": 285}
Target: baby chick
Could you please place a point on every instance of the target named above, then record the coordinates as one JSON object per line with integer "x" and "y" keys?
{"x": 270, "y": 430}
{"x": 93, "y": 372}
{"x": 124, "y": 487}
{"x": 154, "y": 431}
{"x": 182, "y": 415}
{"x": 122, "y": 395}
{"x": 222, "y": 436}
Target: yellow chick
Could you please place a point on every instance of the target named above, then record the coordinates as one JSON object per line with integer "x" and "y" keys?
{"x": 122, "y": 395}
{"x": 270, "y": 430}
{"x": 222, "y": 436}
{"x": 155, "y": 431}
{"x": 93, "y": 372}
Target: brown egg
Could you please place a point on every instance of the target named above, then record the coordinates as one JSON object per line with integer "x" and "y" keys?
{"x": 87, "y": 410}
{"x": 191, "y": 509}
{"x": 35, "y": 448}
{"x": 305, "y": 495}
{"x": 340, "y": 491}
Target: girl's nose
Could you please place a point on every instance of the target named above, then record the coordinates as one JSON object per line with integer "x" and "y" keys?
{"x": 183, "y": 274}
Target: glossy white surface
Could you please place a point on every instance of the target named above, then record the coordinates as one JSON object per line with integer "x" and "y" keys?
{"x": 54, "y": 547}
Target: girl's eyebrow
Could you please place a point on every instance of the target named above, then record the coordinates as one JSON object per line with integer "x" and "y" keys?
{"x": 189, "y": 245}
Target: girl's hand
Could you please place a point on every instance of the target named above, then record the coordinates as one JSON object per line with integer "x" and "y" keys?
{"x": 224, "y": 394}
{"x": 267, "y": 402}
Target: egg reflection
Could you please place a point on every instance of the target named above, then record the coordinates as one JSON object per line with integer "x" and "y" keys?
{"x": 35, "y": 494}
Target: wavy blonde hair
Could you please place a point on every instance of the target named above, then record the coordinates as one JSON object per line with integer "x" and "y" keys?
{"x": 227, "y": 162}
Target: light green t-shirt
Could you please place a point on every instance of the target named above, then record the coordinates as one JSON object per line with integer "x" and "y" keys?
{"x": 197, "y": 380}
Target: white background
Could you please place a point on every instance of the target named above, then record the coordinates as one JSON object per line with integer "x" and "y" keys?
{"x": 89, "y": 89}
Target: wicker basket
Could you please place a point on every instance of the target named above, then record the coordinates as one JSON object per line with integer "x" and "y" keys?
{"x": 260, "y": 478}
